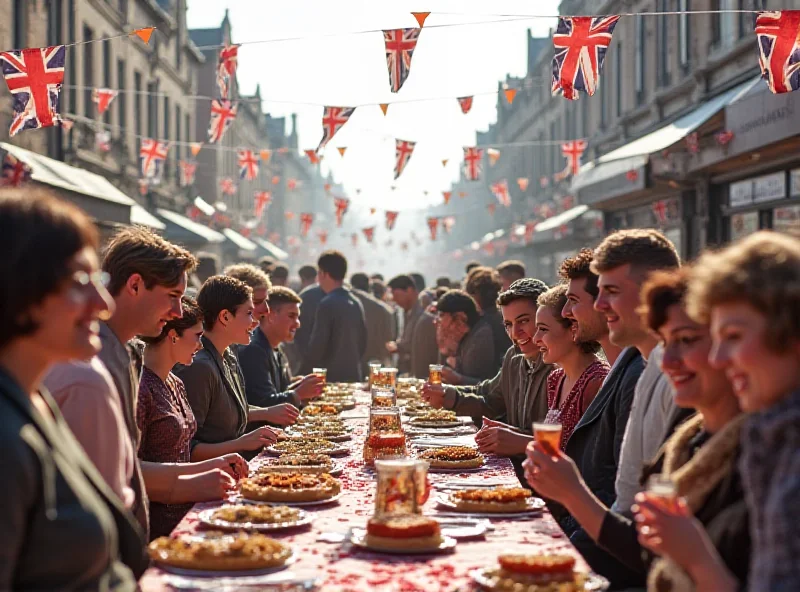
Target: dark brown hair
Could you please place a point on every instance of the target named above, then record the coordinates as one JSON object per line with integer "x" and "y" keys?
{"x": 219, "y": 293}
{"x": 455, "y": 301}
{"x": 39, "y": 234}
{"x": 512, "y": 267}
{"x": 280, "y": 272}
{"x": 484, "y": 285}
{"x": 580, "y": 267}
{"x": 138, "y": 250}
{"x": 334, "y": 264}
{"x": 555, "y": 298}
{"x": 307, "y": 273}
{"x": 644, "y": 249}
{"x": 280, "y": 295}
{"x": 524, "y": 289}
{"x": 662, "y": 290}
{"x": 191, "y": 316}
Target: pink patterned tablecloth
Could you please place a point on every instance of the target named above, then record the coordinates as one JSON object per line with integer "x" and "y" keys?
{"x": 340, "y": 567}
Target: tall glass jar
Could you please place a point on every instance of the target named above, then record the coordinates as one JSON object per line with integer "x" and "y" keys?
{"x": 385, "y": 438}
{"x": 383, "y": 397}
{"x": 401, "y": 486}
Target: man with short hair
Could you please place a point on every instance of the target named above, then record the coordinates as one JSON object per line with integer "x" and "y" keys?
{"x": 463, "y": 340}
{"x": 258, "y": 281}
{"x": 443, "y": 282}
{"x": 470, "y": 266}
{"x": 509, "y": 272}
{"x": 483, "y": 284}
{"x": 339, "y": 337}
{"x": 266, "y": 264}
{"x": 266, "y": 372}
{"x": 518, "y": 393}
{"x": 298, "y": 353}
{"x": 379, "y": 318}
{"x": 279, "y": 275}
{"x": 308, "y": 276}
{"x": 417, "y": 346}
{"x": 419, "y": 281}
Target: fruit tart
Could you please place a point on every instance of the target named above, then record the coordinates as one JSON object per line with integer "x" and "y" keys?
{"x": 403, "y": 532}
{"x": 289, "y": 487}
{"x": 299, "y": 463}
{"x": 495, "y": 500}
{"x": 218, "y": 551}
{"x": 535, "y": 573}
{"x": 453, "y": 457}
{"x": 251, "y": 514}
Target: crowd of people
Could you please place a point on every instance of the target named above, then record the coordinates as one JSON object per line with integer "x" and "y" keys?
{"x": 137, "y": 384}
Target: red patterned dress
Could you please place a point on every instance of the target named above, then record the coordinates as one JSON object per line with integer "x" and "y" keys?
{"x": 167, "y": 424}
{"x": 574, "y": 405}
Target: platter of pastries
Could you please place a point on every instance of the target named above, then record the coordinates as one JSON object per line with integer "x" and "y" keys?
{"x": 508, "y": 501}
{"x": 517, "y": 572}
{"x": 315, "y": 410}
{"x": 216, "y": 552}
{"x": 325, "y": 432}
{"x": 453, "y": 458}
{"x": 259, "y": 518}
{"x": 436, "y": 418}
{"x": 306, "y": 446}
{"x": 290, "y": 488}
{"x": 301, "y": 463}
{"x": 404, "y": 534}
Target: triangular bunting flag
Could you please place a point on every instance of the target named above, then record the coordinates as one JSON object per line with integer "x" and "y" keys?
{"x": 312, "y": 156}
{"x": 402, "y": 154}
{"x": 462, "y": 194}
{"x": 472, "y": 163}
{"x": 103, "y": 97}
{"x": 581, "y": 44}
{"x": 323, "y": 237}
{"x": 292, "y": 184}
{"x": 327, "y": 187}
{"x": 384, "y": 107}
{"x": 369, "y": 233}
{"x": 333, "y": 118}
{"x": 306, "y": 220}
{"x": 433, "y": 226}
{"x": 421, "y": 16}
{"x": 265, "y": 155}
{"x": 195, "y": 148}
{"x": 276, "y": 179}
{"x": 341, "y": 204}
{"x": 494, "y": 156}
{"x": 523, "y": 183}
{"x": 342, "y": 149}
{"x": 510, "y": 94}
{"x": 391, "y": 218}
{"x": 372, "y": 211}
{"x": 261, "y": 201}
{"x": 447, "y": 195}
{"x": 289, "y": 215}
{"x": 283, "y": 150}
{"x": 144, "y": 33}
{"x": 466, "y": 104}
{"x": 400, "y": 45}
{"x": 445, "y": 161}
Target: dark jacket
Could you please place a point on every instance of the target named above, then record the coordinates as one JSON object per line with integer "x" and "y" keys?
{"x": 311, "y": 297}
{"x": 380, "y": 327}
{"x": 266, "y": 376}
{"x": 501, "y": 340}
{"x": 475, "y": 358}
{"x": 215, "y": 389}
{"x": 61, "y": 526}
{"x": 339, "y": 338}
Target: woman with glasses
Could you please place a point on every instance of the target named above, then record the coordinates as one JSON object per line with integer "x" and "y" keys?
{"x": 61, "y": 526}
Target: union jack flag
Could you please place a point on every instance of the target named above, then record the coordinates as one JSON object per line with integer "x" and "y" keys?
{"x": 248, "y": 164}
{"x": 448, "y": 222}
{"x": 103, "y": 98}
{"x": 187, "y": 170}
{"x": 323, "y": 237}
{"x": 333, "y": 118}
{"x": 15, "y": 172}
{"x": 34, "y": 76}
{"x": 500, "y": 190}
{"x": 228, "y": 186}
{"x": 391, "y": 218}
{"x": 223, "y": 112}
{"x": 402, "y": 154}
{"x": 580, "y": 43}
{"x": 103, "y": 141}
{"x": 369, "y": 233}
{"x": 261, "y": 201}
{"x": 572, "y": 151}
{"x": 465, "y": 103}
{"x": 305, "y": 223}
{"x": 433, "y": 226}
{"x": 226, "y": 69}
{"x": 400, "y": 45}
{"x": 152, "y": 155}
{"x": 779, "y": 49}
{"x": 472, "y": 163}
{"x": 341, "y": 204}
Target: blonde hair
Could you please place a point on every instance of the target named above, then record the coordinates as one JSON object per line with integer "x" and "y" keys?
{"x": 249, "y": 274}
{"x": 643, "y": 249}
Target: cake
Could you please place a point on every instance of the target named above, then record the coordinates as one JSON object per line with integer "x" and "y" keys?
{"x": 453, "y": 457}
{"x": 535, "y": 573}
{"x": 217, "y": 551}
{"x": 404, "y": 532}
{"x": 289, "y": 487}
{"x": 495, "y": 500}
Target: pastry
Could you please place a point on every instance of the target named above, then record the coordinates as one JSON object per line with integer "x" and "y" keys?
{"x": 289, "y": 487}
{"x": 217, "y": 551}
{"x": 535, "y": 573}
{"x": 498, "y": 500}
{"x": 250, "y": 514}
{"x": 405, "y": 532}
{"x": 304, "y": 446}
{"x": 298, "y": 463}
{"x": 332, "y": 433}
{"x": 436, "y": 418}
{"x": 314, "y": 410}
{"x": 453, "y": 457}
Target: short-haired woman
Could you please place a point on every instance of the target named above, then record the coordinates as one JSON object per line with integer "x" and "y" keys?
{"x": 750, "y": 293}
{"x": 61, "y": 526}
{"x": 167, "y": 426}
{"x": 572, "y": 386}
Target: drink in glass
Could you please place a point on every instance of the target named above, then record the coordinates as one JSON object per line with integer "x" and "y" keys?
{"x": 402, "y": 486}
{"x": 383, "y": 397}
{"x": 386, "y": 438}
{"x": 435, "y": 374}
{"x": 374, "y": 374}
{"x": 322, "y": 374}
{"x": 549, "y": 435}
{"x": 388, "y": 378}
{"x": 662, "y": 491}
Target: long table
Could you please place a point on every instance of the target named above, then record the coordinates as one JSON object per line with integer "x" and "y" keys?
{"x": 341, "y": 567}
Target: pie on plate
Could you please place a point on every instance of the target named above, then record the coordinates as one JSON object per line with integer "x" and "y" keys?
{"x": 537, "y": 573}
{"x": 492, "y": 501}
{"x": 299, "y": 463}
{"x": 289, "y": 487}
{"x": 305, "y": 446}
{"x": 410, "y": 531}
{"x": 217, "y": 551}
{"x": 316, "y": 410}
{"x": 334, "y": 434}
{"x": 453, "y": 457}
{"x": 254, "y": 517}
{"x": 436, "y": 418}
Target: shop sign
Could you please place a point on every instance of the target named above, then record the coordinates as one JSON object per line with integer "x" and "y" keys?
{"x": 741, "y": 194}
{"x": 786, "y": 218}
{"x": 761, "y": 118}
{"x": 769, "y": 187}
{"x": 794, "y": 188}
{"x": 743, "y": 224}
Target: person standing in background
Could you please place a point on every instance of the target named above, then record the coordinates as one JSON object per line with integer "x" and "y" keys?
{"x": 279, "y": 275}
{"x": 510, "y": 272}
{"x": 416, "y": 347}
{"x": 308, "y": 276}
{"x": 379, "y": 318}
{"x": 483, "y": 284}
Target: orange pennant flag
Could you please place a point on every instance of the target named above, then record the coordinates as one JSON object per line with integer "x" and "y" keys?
{"x": 494, "y": 156}
{"x": 445, "y": 161}
{"x": 342, "y": 150}
{"x": 144, "y": 34}
{"x": 510, "y": 94}
{"x": 195, "y": 147}
{"x": 372, "y": 211}
{"x": 265, "y": 155}
{"x": 276, "y": 179}
{"x": 523, "y": 183}
{"x": 447, "y": 195}
{"x": 312, "y": 156}
{"x": 421, "y": 16}
{"x": 327, "y": 187}
{"x": 384, "y": 107}
{"x": 462, "y": 194}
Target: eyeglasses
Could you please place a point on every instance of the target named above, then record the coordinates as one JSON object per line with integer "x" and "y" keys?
{"x": 99, "y": 279}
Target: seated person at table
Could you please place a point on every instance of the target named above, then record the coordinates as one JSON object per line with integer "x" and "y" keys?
{"x": 464, "y": 340}
{"x": 579, "y": 373}
{"x": 167, "y": 426}
{"x": 750, "y": 293}
{"x": 214, "y": 381}
{"x": 484, "y": 285}
{"x": 699, "y": 457}
{"x": 266, "y": 372}
{"x": 518, "y": 393}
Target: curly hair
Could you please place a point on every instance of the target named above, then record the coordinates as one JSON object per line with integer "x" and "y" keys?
{"x": 219, "y": 293}
{"x": 644, "y": 249}
{"x": 554, "y": 299}
{"x": 191, "y": 316}
{"x": 484, "y": 285}
{"x": 580, "y": 267}
{"x": 524, "y": 289}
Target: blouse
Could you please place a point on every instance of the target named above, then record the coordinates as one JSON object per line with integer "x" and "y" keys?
{"x": 167, "y": 425}
{"x": 573, "y": 406}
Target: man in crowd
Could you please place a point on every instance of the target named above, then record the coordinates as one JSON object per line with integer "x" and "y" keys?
{"x": 510, "y": 272}
{"x": 266, "y": 372}
{"x": 416, "y": 347}
{"x": 463, "y": 340}
{"x": 470, "y": 266}
{"x": 207, "y": 265}
{"x": 266, "y": 264}
{"x": 379, "y": 318}
{"x": 279, "y": 275}
{"x": 258, "y": 281}
{"x": 517, "y": 395}
{"x": 297, "y": 354}
{"x": 339, "y": 337}
{"x": 308, "y": 276}
{"x": 483, "y": 284}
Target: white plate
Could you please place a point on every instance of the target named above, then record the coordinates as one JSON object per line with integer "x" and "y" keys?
{"x": 593, "y": 583}
{"x": 359, "y": 540}
{"x": 535, "y": 506}
{"x": 336, "y": 471}
{"x": 435, "y": 425}
{"x": 206, "y": 518}
{"x": 463, "y": 528}
{"x": 330, "y": 500}
{"x": 341, "y": 451}
{"x": 342, "y": 438}
{"x": 203, "y": 573}
{"x": 446, "y": 470}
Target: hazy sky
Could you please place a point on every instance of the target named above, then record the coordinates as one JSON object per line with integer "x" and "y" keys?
{"x": 345, "y": 70}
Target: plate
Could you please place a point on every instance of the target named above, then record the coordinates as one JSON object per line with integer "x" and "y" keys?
{"x": 446, "y": 470}
{"x": 203, "y": 573}
{"x": 342, "y": 438}
{"x": 593, "y": 583}
{"x": 535, "y": 506}
{"x": 206, "y": 519}
{"x": 463, "y": 528}
{"x": 434, "y": 425}
{"x": 359, "y": 540}
{"x": 330, "y": 500}
{"x": 341, "y": 451}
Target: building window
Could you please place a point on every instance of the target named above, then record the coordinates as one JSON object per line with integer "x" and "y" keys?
{"x": 663, "y": 45}
{"x": 152, "y": 110}
{"x": 107, "y": 75}
{"x": 618, "y": 72}
{"x": 585, "y": 118}
{"x": 167, "y": 135}
{"x": 724, "y": 25}
{"x": 137, "y": 103}
{"x": 604, "y": 102}
{"x": 20, "y": 40}
{"x": 187, "y": 128}
{"x": 639, "y": 57}
{"x": 122, "y": 102}
{"x": 684, "y": 36}
{"x": 178, "y": 147}
{"x": 88, "y": 71}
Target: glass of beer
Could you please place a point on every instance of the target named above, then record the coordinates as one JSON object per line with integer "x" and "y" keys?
{"x": 435, "y": 374}
{"x": 383, "y": 397}
{"x": 548, "y": 434}
{"x": 388, "y": 378}
{"x": 662, "y": 491}
{"x": 374, "y": 374}
{"x": 322, "y": 374}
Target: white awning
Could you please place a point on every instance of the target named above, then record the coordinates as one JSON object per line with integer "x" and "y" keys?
{"x": 204, "y": 232}
{"x": 204, "y": 206}
{"x": 562, "y": 218}
{"x": 142, "y": 217}
{"x": 240, "y": 241}
{"x": 273, "y": 250}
